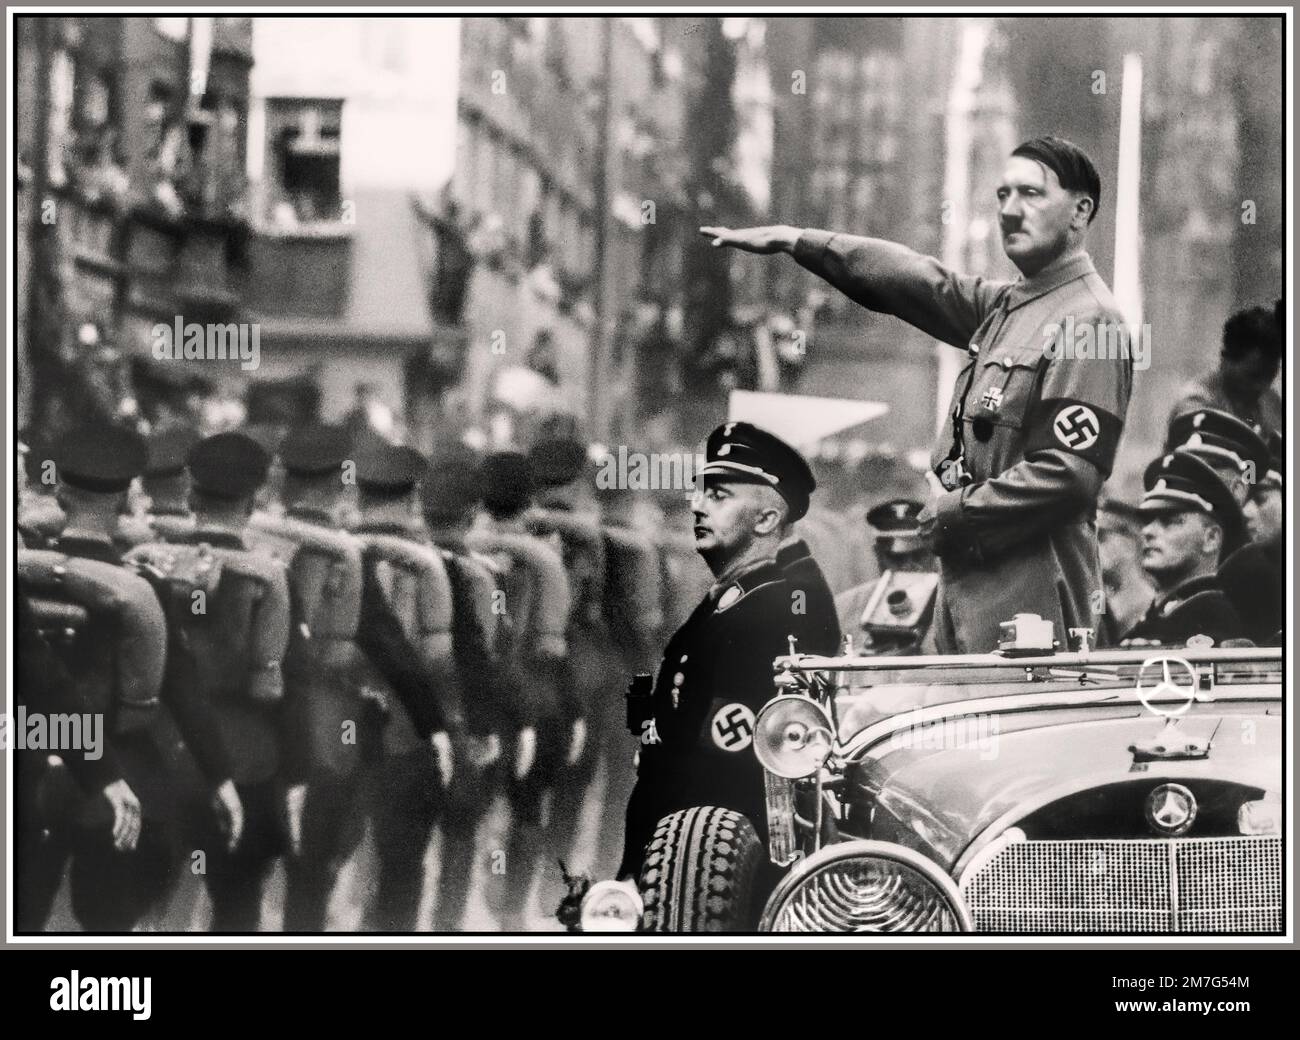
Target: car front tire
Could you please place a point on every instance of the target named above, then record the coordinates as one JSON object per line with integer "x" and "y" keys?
{"x": 700, "y": 871}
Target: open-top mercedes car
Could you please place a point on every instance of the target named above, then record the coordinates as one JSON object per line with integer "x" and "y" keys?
{"x": 1026, "y": 791}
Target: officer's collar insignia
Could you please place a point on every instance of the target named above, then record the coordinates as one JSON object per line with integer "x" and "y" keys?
{"x": 724, "y": 450}
{"x": 900, "y": 510}
{"x": 1198, "y": 419}
{"x": 729, "y": 597}
{"x": 726, "y": 430}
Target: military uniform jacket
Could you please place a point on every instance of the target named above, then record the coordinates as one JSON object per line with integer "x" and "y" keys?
{"x": 147, "y": 756}
{"x": 1196, "y": 607}
{"x": 715, "y": 676}
{"x": 224, "y": 682}
{"x": 1039, "y": 431}
{"x": 427, "y": 691}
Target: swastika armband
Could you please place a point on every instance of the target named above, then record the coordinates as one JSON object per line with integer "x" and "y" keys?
{"x": 1079, "y": 427}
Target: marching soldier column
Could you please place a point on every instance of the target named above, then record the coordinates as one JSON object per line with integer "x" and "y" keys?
{"x": 386, "y": 651}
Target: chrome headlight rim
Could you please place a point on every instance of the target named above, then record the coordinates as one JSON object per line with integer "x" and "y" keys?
{"x": 802, "y": 701}
{"x": 862, "y": 848}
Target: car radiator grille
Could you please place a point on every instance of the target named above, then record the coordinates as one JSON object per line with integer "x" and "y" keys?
{"x": 1195, "y": 885}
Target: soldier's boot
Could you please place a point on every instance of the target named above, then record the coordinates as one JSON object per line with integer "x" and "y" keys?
{"x": 331, "y": 830}
{"x": 406, "y": 804}
{"x": 114, "y": 891}
{"x": 236, "y": 880}
{"x": 620, "y": 777}
{"x": 40, "y": 859}
{"x": 470, "y": 800}
{"x": 42, "y": 837}
{"x": 575, "y": 787}
{"x": 527, "y": 842}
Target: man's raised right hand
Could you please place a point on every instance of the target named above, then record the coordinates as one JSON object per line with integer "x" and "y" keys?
{"x": 774, "y": 238}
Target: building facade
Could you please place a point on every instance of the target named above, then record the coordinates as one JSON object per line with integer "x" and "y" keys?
{"x": 132, "y": 196}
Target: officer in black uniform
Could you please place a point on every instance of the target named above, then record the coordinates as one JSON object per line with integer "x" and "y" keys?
{"x": 1251, "y": 577}
{"x": 716, "y": 672}
{"x": 893, "y": 613}
{"x": 1193, "y": 521}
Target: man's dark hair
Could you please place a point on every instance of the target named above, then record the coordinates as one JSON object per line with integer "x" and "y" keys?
{"x": 1254, "y": 328}
{"x": 1069, "y": 162}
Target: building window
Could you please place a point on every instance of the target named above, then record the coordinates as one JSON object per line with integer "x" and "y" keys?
{"x": 302, "y": 136}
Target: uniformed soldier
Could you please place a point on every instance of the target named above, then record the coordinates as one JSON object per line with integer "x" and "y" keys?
{"x": 449, "y": 493}
{"x": 1251, "y": 577}
{"x": 121, "y": 871}
{"x": 328, "y": 726}
{"x": 1263, "y": 509}
{"x": 228, "y": 616}
{"x": 1193, "y": 520}
{"x": 424, "y": 724}
{"x": 1037, "y": 410}
{"x": 716, "y": 671}
{"x": 44, "y": 801}
{"x": 892, "y": 614}
{"x": 536, "y": 601}
{"x": 597, "y": 561}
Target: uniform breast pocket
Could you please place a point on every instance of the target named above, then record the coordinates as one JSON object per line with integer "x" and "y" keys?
{"x": 1003, "y": 392}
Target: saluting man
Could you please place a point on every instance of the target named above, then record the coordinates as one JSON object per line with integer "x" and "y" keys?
{"x": 716, "y": 672}
{"x": 1037, "y": 410}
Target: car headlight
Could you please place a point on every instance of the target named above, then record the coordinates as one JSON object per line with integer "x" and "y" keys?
{"x": 866, "y": 886}
{"x": 1260, "y": 817}
{"x": 793, "y": 737}
{"x": 611, "y": 906}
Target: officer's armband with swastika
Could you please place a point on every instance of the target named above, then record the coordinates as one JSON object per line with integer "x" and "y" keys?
{"x": 1078, "y": 427}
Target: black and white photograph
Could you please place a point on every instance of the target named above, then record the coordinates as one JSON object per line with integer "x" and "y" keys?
{"x": 604, "y": 475}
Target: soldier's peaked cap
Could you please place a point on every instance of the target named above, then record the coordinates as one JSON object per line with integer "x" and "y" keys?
{"x": 228, "y": 465}
{"x": 315, "y": 449}
{"x": 454, "y": 482}
{"x": 740, "y": 452}
{"x": 1220, "y": 435}
{"x": 99, "y": 457}
{"x": 1182, "y": 482}
{"x": 507, "y": 482}
{"x": 169, "y": 448}
{"x": 557, "y": 460}
{"x": 896, "y": 517}
{"x": 391, "y": 469}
